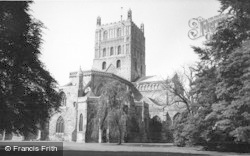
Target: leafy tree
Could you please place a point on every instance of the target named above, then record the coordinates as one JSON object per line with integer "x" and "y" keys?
{"x": 167, "y": 129}
{"x": 221, "y": 120}
{"x": 112, "y": 113}
{"x": 222, "y": 83}
{"x": 27, "y": 94}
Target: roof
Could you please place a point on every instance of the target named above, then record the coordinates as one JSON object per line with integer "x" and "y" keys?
{"x": 111, "y": 69}
{"x": 149, "y": 79}
{"x": 150, "y": 101}
{"x": 69, "y": 84}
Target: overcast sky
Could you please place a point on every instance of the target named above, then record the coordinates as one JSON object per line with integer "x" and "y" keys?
{"x": 70, "y": 31}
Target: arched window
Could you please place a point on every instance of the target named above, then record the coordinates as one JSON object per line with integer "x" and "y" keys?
{"x": 157, "y": 86}
{"x": 111, "y": 51}
{"x": 105, "y": 35}
{"x": 104, "y": 52}
{"x": 119, "y": 32}
{"x": 81, "y": 123}
{"x": 103, "y": 65}
{"x": 118, "y": 63}
{"x": 64, "y": 99}
{"x": 60, "y": 125}
{"x": 119, "y": 50}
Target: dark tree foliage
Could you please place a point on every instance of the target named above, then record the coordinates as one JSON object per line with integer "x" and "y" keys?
{"x": 27, "y": 94}
{"x": 167, "y": 130}
{"x": 155, "y": 129}
{"x": 223, "y": 85}
{"x": 230, "y": 52}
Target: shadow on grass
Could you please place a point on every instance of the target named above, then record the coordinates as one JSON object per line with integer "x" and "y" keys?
{"x": 120, "y": 153}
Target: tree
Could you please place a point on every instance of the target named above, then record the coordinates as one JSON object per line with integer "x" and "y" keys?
{"x": 112, "y": 113}
{"x": 223, "y": 80}
{"x": 27, "y": 90}
{"x": 180, "y": 87}
{"x": 155, "y": 129}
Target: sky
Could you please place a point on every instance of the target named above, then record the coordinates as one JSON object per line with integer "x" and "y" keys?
{"x": 68, "y": 39}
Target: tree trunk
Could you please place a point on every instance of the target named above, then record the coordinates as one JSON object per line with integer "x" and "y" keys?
{"x": 120, "y": 137}
{"x": 100, "y": 133}
{"x": 107, "y": 134}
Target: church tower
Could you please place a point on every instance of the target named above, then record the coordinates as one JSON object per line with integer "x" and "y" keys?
{"x": 120, "y": 48}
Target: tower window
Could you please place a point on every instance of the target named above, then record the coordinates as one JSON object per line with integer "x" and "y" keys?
{"x": 111, "y": 51}
{"x": 105, "y": 35}
{"x": 104, "y": 52}
{"x": 119, "y": 32}
{"x": 119, "y": 50}
{"x": 103, "y": 65}
{"x": 81, "y": 123}
{"x": 60, "y": 125}
{"x": 118, "y": 63}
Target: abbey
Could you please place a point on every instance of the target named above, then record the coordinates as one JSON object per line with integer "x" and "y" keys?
{"x": 119, "y": 55}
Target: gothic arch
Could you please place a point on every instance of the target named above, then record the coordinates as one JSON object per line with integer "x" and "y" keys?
{"x": 63, "y": 99}
{"x": 98, "y": 89}
{"x": 60, "y": 125}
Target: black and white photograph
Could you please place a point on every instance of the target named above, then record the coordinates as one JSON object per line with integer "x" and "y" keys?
{"x": 125, "y": 78}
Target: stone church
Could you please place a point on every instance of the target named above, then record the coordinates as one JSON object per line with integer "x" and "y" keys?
{"x": 119, "y": 55}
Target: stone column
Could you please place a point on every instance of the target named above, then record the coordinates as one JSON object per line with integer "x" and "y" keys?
{"x": 3, "y": 136}
{"x": 142, "y": 111}
{"x": 38, "y": 135}
{"x": 107, "y": 134}
{"x": 99, "y": 133}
